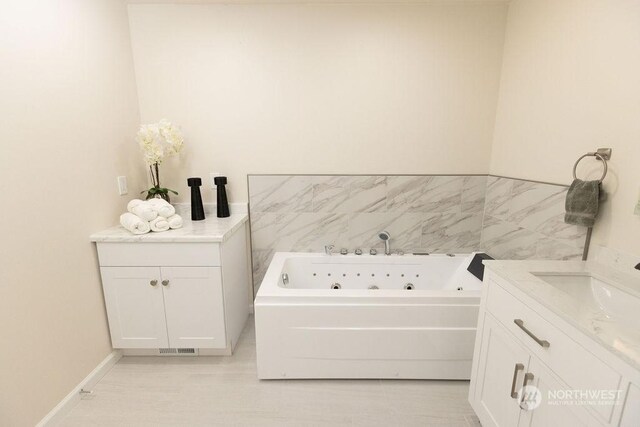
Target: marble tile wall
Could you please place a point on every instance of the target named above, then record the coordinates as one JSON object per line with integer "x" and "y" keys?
{"x": 507, "y": 218}
{"x": 525, "y": 220}
{"x": 303, "y": 213}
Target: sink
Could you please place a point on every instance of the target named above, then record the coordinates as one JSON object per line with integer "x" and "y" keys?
{"x": 596, "y": 295}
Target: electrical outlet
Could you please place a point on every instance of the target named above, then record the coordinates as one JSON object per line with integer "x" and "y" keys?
{"x": 212, "y": 176}
{"x": 122, "y": 185}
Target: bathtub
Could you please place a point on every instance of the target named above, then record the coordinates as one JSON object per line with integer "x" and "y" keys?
{"x": 349, "y": 316}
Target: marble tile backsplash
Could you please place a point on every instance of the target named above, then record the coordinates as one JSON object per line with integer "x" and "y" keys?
{"x": 507, "y": 218}
{"x": 525, "y": 220}
{"x": 306, "y": 212}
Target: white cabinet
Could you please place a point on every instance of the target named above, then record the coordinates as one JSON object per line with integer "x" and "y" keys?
{"x": 575, "y": 381}
{"x": 194, "y": 307}
{"x": 506, "y": 367}
{"x": 631, "y": 414}
{"x": 503, "y": 365}
{"x": 173, "y": 295}
{"x": 135, "y": 307}
{"x": 548, "y": 413}
{"x": 165, "y": 307}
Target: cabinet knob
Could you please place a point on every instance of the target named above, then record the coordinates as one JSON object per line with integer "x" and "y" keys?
{"x": 165, "y": 283}
{"x": 153, "y": 282}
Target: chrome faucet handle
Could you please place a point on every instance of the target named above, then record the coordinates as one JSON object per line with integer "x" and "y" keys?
{"x": 358, "y": 251}
{"x": 344, "y": 251}
{"x": 328, "y": 249}
{"x": 373, "y": 252}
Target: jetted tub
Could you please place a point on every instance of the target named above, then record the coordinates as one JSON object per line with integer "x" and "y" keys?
{"x": 349, "y": 316}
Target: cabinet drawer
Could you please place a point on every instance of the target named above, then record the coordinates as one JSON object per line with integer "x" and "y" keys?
{"x": 158, "y": 254}
{"x": 575, "y": 365}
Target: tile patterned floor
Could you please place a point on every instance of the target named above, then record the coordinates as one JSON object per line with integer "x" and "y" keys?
{"x": 224, "y": 391}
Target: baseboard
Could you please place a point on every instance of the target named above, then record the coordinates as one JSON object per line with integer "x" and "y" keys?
{"x": 71, "y": 399}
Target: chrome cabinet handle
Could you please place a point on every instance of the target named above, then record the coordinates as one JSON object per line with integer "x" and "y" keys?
{"x": 165, "y": 283}
{"x": 519, "y": 367}
{"x": 153, "y": 282}
{"x": 543, "y": 343}
{"x": 528, "y": 377}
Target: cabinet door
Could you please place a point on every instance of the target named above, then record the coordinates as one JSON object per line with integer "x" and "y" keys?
{"x": 135, "y": 307}
{"x": 554, "y": 412}
{"x": 194, "y": 307}
{"x": 631, "y": 411}
{"x": 503, "y": 363}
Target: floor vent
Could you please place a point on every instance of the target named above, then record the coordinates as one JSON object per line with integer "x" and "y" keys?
{"x": 177, "y": 351}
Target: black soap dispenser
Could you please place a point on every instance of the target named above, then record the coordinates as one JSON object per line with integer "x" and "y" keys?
{"x": 197, "y": 209}
{"x": 223, "y": 203}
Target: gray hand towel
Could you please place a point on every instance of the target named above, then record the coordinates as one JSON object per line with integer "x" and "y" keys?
{"x": 582, "y": 203}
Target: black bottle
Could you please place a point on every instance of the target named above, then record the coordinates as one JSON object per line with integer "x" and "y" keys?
{"x": 223, "y": 203}
{"x": 197, "y": 209}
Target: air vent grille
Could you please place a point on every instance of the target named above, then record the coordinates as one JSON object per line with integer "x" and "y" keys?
{"x": 177, "y": 351}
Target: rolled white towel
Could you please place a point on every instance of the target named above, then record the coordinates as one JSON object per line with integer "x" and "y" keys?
{"x": 143, "y": 209}
{"x": 159, "y": 224}
{"x": 162, "y": 207}
{"x": 175, "y": 221}
{"x": 134, "y": 223}
{"x": 133, "y": 203}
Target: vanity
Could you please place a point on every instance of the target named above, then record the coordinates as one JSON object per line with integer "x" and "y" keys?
{"x": 557, "y": 344}
{"x": 184, "y": 291}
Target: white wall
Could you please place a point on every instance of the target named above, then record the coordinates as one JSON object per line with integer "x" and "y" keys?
{"x": 69, "y": 114}
{"x": 570, "y": 83}
{"x": 321, "y": 88}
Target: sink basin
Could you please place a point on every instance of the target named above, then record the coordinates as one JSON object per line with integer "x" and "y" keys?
{"x": 596, "y": 295}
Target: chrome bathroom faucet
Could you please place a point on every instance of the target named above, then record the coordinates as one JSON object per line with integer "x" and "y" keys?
{"x": 328, "y": 249}
{"x": 386, "y": 238}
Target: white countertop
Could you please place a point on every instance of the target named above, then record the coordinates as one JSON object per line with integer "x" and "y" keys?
{"x": 620, "y": 339}
{"x": 212, "y": 229}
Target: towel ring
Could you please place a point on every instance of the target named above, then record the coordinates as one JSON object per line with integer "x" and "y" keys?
{"x": 603, "y": 154}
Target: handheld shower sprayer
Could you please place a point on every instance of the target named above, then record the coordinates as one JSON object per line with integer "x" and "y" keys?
{"x": 386, "y": 238}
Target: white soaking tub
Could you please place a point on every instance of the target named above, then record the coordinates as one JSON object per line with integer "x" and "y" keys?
{"x": 316, "y": 316}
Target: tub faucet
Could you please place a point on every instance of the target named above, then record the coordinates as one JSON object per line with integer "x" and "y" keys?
{"x": 328, "y": 249}
{"x": 386, "y": 238}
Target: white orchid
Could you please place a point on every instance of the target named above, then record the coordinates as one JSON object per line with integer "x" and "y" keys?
{"x": 172, "y": 135}
{"x": 157, "y": 142}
